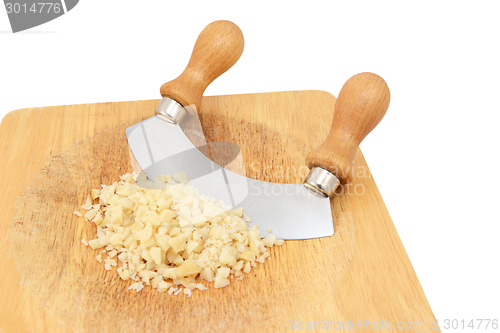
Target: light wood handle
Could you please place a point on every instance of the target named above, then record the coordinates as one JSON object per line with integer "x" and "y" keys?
{"x": 217, "y": 48}
{"x": 361, "y": 104}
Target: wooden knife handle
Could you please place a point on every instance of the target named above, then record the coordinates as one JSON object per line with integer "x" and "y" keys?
{"x": 217, "y": 49}
{"x": 361, "y": 104}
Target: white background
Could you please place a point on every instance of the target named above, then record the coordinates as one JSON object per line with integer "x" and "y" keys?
{"x": 435, "y": 155}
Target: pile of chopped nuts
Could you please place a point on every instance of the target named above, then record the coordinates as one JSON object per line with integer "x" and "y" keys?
{"x": 167, "y": 235}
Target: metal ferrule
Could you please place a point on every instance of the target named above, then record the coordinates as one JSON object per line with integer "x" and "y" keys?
{"x": 321, "y": 182}
{"x": 170, "y": 111}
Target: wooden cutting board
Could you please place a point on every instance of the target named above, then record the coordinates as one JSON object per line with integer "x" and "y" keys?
{"x": 53, "y": 156}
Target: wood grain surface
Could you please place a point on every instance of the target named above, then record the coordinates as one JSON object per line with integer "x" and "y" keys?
{"x": 51, "y": 282}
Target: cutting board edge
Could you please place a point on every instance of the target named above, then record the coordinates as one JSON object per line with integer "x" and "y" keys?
{"x": 15, "y": 112}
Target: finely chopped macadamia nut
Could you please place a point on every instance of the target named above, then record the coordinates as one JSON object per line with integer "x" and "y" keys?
{"x": 171, "y": 237}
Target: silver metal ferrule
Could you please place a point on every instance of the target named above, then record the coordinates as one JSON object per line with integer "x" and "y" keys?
{"x": 321, "y": 182}
{"x": 170, "y": 111}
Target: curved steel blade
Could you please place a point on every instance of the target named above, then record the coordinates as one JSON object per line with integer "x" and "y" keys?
{"x": 153, "y": 140}
{"x": 290, "y": 210}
